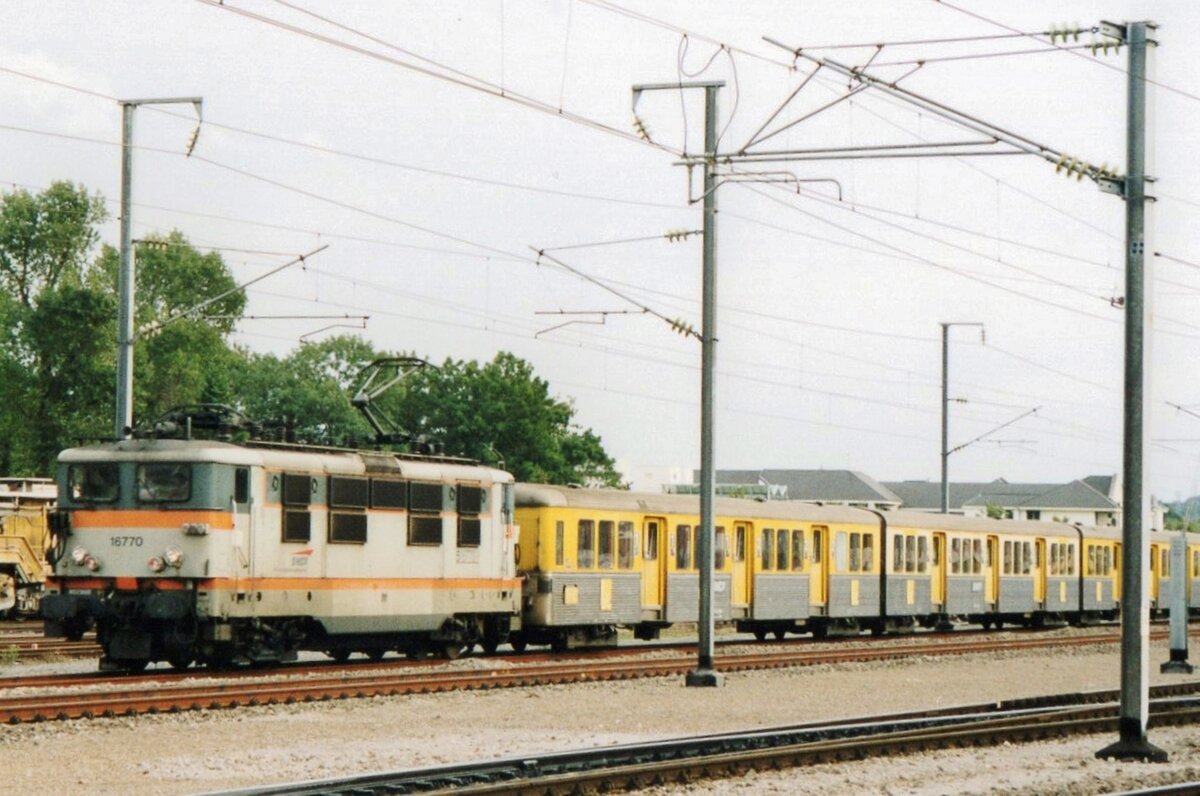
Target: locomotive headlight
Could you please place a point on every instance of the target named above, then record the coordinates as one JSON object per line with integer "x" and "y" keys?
{"x": 173, "y": 557}
{"x": 91, "y": 562}
{"x": 79, "y": 555}
{"x": 156, "y": 564}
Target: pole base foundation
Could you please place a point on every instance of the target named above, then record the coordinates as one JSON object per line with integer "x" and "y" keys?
{"x": 703, "y": 678}
{"x": 1133, "y": 750}
{"x": 1174, "y": 666}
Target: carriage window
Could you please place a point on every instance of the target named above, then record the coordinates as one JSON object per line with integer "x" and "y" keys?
{"x": 696, "y": 547}
{"x": 1166, "y": 563}
{"x": 626, "y": 545}
{"x": 683, "y": 547}
{"x": 1071, "y": 558}
{"x": 387, "y": 494}
{"x": 868, "y": 559}
{"x": 782, "y": 548}
{"x": 650, "y": 551}
{"x": 910, "y": 554}
{"x": 739, "y": 543}
{"x": 297, "y": 492}
{"x": 586, "y": 550}
{"x": 797, "y": 549}
{"x": 100, "y": 482}
{"x": 922, "y": 554}
{"x": 817, "y": 548}
{"x": 897, "y": 553}
{"x": 955, "y": 553}
{"x": 977, "y": 558}
{"x": 1027, "y": 558}
{"x": 938, "y": 541}
{"x": 560, "y": 532}
{"x": 164, "y": 483}
{"x": 839, "y": 551}
{"x": 347, "y": 527}
{"x": 425, "y": 513}
{"x": 1053, "y": 559}
{"x": 296, "y": 526}
{"x": 1108, "y": 561}
{"x": 1196, "y": 563}
{"x": 1090, "y": 567}
{"x": 606, "y": 544}
{"x": 348, "y": 492}
{"x": 855, "y": 551}
{"x": 767, "y": 548}
{"x": 720, "y": 549}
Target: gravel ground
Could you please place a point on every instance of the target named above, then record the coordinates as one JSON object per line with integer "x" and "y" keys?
{"x": 205, "y": 751}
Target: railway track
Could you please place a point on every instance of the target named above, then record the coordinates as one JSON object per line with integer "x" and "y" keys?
{"x": 129, "y": 695}
{"x": 682, "y": 760}
{"x": 16, "y": 648}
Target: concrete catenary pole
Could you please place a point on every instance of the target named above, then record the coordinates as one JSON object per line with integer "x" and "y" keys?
{"x": 704, "y": 673}
{"x": 126, "y": 276}
{"x": 1135, "y": 614}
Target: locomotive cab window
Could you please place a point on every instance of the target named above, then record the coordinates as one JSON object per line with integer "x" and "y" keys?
{"x": 241, "y": 485}
{"x": 94, "y": 483}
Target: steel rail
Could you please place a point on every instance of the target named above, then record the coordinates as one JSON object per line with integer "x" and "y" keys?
{"x": 125, "y": 698}
{"x": 643, "y": 765}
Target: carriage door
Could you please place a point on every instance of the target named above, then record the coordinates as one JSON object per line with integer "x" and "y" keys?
{"x": 819, "y": 570}
{"x": 937, "y": 571}
{"x": 991, "y": 569}
{"x": 1039, "y": 572}
{"x": 740, "y": 598}
{"x": 654, "y": 561}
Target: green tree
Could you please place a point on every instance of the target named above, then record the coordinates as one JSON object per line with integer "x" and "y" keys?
{"x": 45, "y": 238}
{"x": 309, "y": 389}
{"x": 501, "y": 411}
{"x": 179, "y": 358}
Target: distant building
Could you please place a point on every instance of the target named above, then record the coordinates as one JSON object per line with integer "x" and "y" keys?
{"x": 830, "y": 487}
{"x": 1094, "y": 500}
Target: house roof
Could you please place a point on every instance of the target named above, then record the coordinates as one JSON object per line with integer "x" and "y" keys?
{"x": 1101, "y": 483}
{"x": 1075, "y": 495}
{"x": 831, "y": 485}
{"x": 928, "y": 494}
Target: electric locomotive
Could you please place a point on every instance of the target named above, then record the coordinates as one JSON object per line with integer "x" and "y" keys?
{"x": 185, "y": 549}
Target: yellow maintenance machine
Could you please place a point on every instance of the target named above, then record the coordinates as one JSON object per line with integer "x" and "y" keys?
{"x": 25, "y": 504}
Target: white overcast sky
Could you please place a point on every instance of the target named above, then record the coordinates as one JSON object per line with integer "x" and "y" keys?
{"x": 829, "y": 354}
